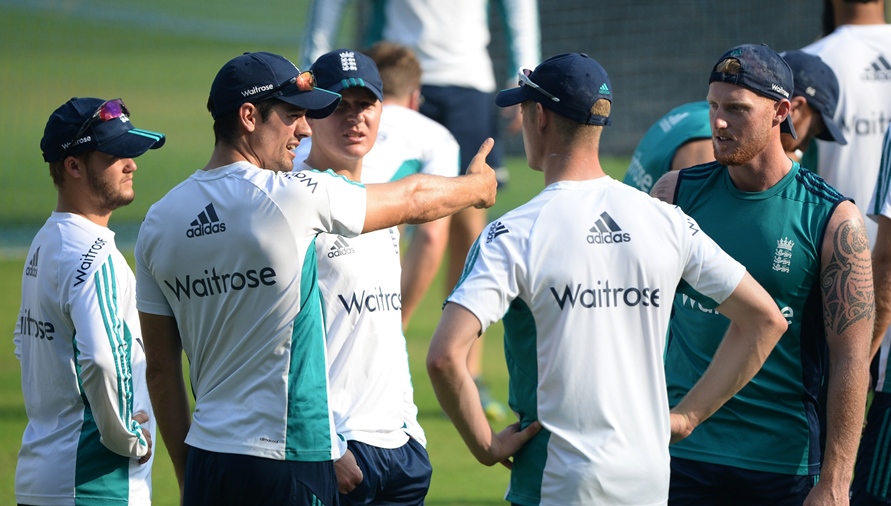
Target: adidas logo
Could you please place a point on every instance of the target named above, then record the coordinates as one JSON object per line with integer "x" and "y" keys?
{"x": 206, "y": 223}
{"x": 607, "y": 231}
{"x": 495, "y": 230}
{"x": 668, "y": 123}
{"x": 604, "y": 89}
{"x": 340, "y": 248}
{"x": 31, "y": 269}
{"x": 878, "y": 70}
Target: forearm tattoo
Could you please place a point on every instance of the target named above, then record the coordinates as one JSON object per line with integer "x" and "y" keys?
{"x": 848, "y": 295}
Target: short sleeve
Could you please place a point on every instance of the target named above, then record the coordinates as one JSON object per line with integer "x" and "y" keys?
{"x": 494, "y": 274}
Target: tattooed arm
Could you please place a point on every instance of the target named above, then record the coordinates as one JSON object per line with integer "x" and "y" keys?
{"x": 665, "y": 187}
{"x": 848, "y": 316}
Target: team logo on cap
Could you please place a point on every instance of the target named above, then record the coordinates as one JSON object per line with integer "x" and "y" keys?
{"x": 348, "y": 61}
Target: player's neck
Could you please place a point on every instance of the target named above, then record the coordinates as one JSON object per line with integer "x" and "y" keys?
{"x": 82, "y": 206}
{"x": 577, "y": 161}
{"x": 572, "y": 165}
{"x": 861, "y": 14}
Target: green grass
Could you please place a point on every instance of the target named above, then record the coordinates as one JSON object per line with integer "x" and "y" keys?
{"x": 161, "y": 58}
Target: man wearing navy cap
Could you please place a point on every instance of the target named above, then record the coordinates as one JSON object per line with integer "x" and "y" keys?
{"x": 226, "y": 264}
{"x": 360, "y": 280}
{"x": 582, "y": 276}
{"x": 90, "y": 422}
{"x": 806, "y": 244}
{"x": 814, "y": 100}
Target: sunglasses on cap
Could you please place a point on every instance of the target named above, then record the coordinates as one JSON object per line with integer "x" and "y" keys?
{"x": 525, "y": 81}
{"x": 304, "y": 81}
{"x": 107, "y": 111}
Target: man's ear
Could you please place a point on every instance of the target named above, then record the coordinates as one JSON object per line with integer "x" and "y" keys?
{"x": 542, "y": 117}
{"x": 798, "y": 106}
{"x": 784, "y": 108}
{"x": 75, "y": 167}
{"x": 248, "y": 116}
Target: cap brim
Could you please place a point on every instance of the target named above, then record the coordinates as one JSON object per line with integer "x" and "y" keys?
{"x": 788, "y": 127}
{"x": 353, "y": 83}
{"x": 132, "y": 143}
{"x": 831, "y": 132}
{"x": 319, "y": 103}
{"x": 510, "y": 96}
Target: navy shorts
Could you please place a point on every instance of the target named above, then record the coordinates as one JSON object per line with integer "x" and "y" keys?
{"x": 390, "y": 476}
{"x": 872, "y": 472}
{"x": 230, "y": 479}
{"x": 705, "y": 484}
{"x": 470, "y": 115}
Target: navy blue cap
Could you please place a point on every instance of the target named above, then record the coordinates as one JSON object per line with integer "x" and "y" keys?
{"x": 762, "y": 71}
{"x": 254, "y": 77}
{"x": 568, "y": 84}
{"x": 116, "y": 136}
{"x": 816, "y": 82}
{"x": 344, "y": 68}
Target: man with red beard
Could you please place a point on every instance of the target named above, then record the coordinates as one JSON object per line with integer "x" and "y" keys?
{"x": 807, "y": 245}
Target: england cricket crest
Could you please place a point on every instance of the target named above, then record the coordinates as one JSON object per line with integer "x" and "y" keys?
{"x": 782, "y": 258}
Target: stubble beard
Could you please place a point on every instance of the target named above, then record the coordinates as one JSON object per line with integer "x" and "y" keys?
{"x": 110, "y": 197}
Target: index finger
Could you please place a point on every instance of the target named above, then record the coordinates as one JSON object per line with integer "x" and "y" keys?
{"x": 140, "y": 417}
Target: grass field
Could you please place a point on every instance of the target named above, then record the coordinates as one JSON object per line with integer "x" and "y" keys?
{"x": 160, "y": 58}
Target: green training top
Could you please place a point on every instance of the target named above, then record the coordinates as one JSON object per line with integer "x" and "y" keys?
{"x": 771, "y": 425}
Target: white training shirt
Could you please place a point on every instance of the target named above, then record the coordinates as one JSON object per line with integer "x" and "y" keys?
{"x": 584, "y": 276}
{"x": 371, "y": 392}
{"x": 372, "y": 399}
{"x": 451, "y": 38}
{"x": 230, "y": 253}
{"x": 407, "y": 143}
{"x": 860, "y": 56}
{"x": 83, "y": 371}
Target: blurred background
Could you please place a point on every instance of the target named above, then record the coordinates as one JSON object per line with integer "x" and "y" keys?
{"x": 161, "y": 56}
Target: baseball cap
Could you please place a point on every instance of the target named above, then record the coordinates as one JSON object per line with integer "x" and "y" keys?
{"x": 567, "y": 84}
{"x": 816, "y": 82}
{"x": 762, "y": 71}
{"x": 86, "y": 124}
{"x": 344, "y": 68}
{"x": 254, "y": 77}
